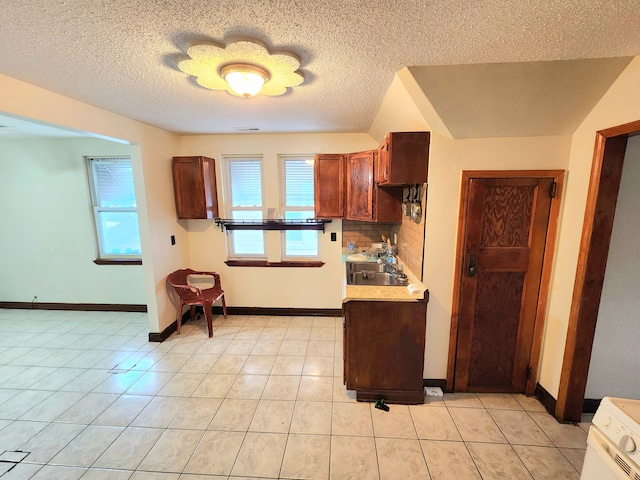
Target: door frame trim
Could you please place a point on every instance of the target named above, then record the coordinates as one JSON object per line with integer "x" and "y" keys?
{"x": 606, "y": 173}
{"x": 547, "y": 265}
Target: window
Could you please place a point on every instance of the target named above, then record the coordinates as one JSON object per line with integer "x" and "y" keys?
{"x": 244, "y": 200}
{"x": 288, "y": 190}
{"x": 114, "y": 207}
{"x": 297, "y": 204}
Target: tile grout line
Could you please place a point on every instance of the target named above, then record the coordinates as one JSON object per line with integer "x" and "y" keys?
{"x": 466, "y": 444}
{"x": 236, "y": 375}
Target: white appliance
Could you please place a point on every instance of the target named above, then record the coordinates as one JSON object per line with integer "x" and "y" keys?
{"x": 614, "y": 441}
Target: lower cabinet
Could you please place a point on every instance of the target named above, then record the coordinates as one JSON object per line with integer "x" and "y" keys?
{"x": 384, "y": 349}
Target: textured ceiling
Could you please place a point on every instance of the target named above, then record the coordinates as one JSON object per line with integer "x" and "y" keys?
{"x": 122, "y": 56}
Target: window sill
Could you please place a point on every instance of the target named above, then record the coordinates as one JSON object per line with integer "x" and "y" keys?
{"x": 117, "y": 261}
{"x": 265, "y": 263}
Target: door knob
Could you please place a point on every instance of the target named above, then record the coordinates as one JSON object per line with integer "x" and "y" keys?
{"x": 472, "y": 267}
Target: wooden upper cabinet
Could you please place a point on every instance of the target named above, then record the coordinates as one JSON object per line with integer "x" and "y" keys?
{"x": 387, "y": 205}
{"x": 194, "y": 184}
{"x": 359, "y": 175}
{"x": 403, "y": 158}
{"x": 329, "y": 186}
{"x": 365, "y": 200}
{"x": 367, "y": 185}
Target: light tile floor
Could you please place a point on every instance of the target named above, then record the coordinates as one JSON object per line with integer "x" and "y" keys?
{"x": 85, "y": 395}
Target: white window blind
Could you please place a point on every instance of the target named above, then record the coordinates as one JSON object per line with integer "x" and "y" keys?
{"x": 298, "y": 183}
{"x": 114, "y": 206}
{"x": 245, "y": 185}
{"x": 298, "y": 205}
{"x": 114, "y": 182}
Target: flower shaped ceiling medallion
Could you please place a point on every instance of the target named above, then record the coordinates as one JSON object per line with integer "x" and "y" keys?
{"x": 209, "y": 64}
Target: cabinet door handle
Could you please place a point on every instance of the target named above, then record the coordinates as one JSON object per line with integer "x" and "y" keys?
{"x": 472, "y": 266}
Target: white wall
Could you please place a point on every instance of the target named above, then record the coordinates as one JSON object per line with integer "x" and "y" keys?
{"x": 151, "y": 152}
{"x": 619, "y": 105}
{"x": 49, "y": 236}
{"x": 276, "y": 287}
{"x": 613, "y": 370}
{"x": 447, "y": 159}
{"x": 405, "y": 109}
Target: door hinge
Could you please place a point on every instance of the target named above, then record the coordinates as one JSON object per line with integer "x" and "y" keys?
{"x": 552, "y": 189}
{"x": 529, "y": 372}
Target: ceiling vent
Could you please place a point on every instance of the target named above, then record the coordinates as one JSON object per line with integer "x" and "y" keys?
{"x": 246, "y": 129}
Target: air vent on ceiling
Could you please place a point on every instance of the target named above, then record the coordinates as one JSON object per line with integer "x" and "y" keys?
{"x": 246, "y": 129}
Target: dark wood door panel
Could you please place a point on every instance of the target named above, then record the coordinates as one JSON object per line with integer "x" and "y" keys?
{"x": 503, "y": 245}
{"x": 506, "y": 213}
{"x": 506, "y": 259}
{"x": 495, "y": 329}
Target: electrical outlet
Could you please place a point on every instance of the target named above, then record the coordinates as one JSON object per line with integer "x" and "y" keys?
{"x": 333, "y": 236}
{"x": 173, "y": 239}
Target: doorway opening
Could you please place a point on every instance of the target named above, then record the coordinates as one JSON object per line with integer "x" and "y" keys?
{"x": 606, "y": 173}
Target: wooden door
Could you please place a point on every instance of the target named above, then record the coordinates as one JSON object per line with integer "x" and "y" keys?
{"x": 329, "y": 186}
{"x": 503, "y": 247}
{"x": 359, "y": 186}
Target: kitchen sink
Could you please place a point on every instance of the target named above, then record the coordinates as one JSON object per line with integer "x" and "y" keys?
{"x": 372, "y": 274}
{"x": 355, "y": 267}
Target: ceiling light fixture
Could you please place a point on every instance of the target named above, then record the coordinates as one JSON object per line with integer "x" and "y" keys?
{"x": 260, "y": 72}
{"x": 245, "y": 80}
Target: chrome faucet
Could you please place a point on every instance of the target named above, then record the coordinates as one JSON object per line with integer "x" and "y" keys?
{"x": 394, "y": 266}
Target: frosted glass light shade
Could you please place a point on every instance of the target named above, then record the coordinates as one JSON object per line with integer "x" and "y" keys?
{"x": 245, "y": 80}
{"x": 209, "y": 63}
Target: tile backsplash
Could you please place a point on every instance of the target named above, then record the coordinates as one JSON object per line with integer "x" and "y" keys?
{"x": 365, "y": 233}
{"x": 410, "y": 237}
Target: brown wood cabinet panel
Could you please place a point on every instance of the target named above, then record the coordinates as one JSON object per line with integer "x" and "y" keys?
{"x": 365, "y": 200}
{"x": 384, "y": 346}
{"x": 359, "y": 178}
{"x": 387, "y": 204}
{"x": 194, "y": 183}
{"x": 329, "y": 186}
{"x": 367, "y": 186}
{"x": 382, "y": 161}
{"x": 403, "y": 158}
